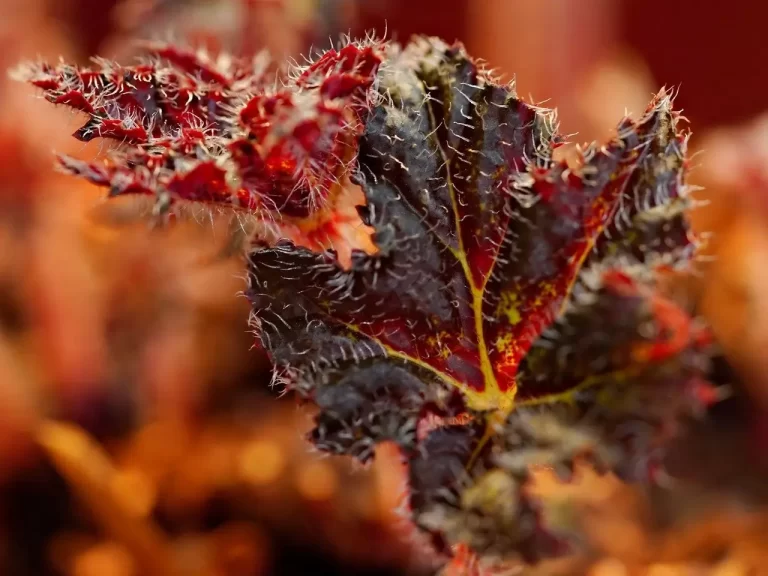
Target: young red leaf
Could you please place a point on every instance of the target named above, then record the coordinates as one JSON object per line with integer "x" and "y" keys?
{"x": 218, "y": 131}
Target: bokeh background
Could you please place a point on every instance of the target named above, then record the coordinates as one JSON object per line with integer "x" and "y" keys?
{"x": 138, "y": 430}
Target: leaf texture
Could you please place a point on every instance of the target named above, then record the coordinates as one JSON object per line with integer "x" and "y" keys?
{"x": 506, "y": 286}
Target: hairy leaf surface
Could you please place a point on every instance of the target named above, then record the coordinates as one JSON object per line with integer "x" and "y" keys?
{"x": 508, "y": 288}
{"x": 480, "y": 234}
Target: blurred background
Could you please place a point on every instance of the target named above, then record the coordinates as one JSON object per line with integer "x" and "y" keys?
{"x": 138, "y": 431}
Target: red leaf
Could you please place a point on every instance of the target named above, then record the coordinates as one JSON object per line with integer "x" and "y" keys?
{"x": 510, "y": 294}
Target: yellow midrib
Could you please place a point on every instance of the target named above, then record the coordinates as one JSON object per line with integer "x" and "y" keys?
{"x": 491, "y": 397}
